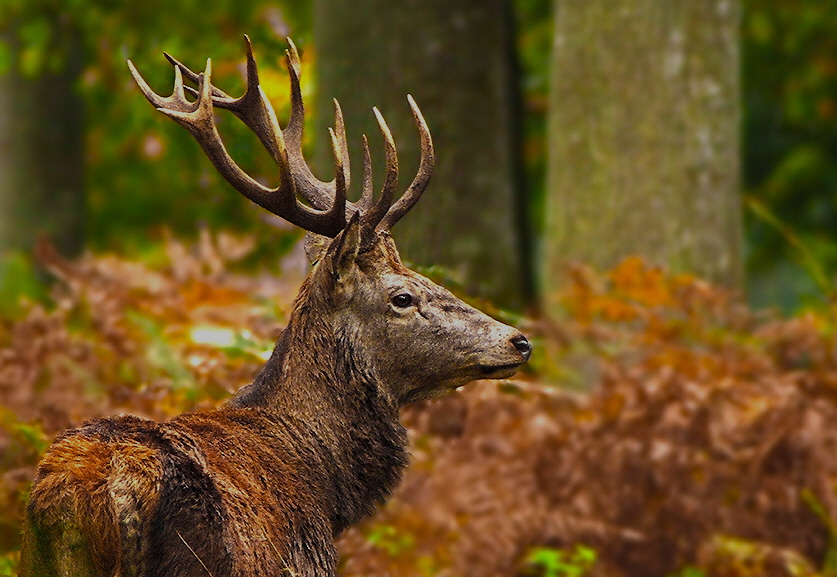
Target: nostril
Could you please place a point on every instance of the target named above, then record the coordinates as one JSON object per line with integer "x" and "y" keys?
{"x": 523, "y": 346}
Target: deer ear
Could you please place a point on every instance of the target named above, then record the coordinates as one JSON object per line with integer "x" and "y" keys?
{"x": 343, "y": 250}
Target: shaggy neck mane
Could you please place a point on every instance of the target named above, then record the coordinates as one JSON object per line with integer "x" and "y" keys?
{"x": 315, "y": 385}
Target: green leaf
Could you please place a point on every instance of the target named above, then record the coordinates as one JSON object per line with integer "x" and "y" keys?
{"x": 6, "y": 58}
{"x": 8, "y": 566}
{"x": 560, "y": 563}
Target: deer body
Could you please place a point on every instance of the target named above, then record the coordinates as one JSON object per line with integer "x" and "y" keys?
{"x": 262, "y": 485}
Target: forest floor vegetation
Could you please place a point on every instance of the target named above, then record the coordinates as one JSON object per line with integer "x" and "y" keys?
{"x": 662, "y": 429}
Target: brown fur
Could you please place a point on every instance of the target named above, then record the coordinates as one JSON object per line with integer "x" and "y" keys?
{"x": 262, "y": 485}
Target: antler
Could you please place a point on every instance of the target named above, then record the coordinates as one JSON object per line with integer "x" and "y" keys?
{"x": 329, "y": 210}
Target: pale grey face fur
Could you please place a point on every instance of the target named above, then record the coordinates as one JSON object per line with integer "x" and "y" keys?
{"x": 415, "y": 336}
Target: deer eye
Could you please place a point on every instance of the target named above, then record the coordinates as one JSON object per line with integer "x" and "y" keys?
{"x": 402, "y": 300}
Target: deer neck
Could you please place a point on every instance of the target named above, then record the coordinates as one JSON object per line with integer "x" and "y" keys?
{"x": 314, "y": 383}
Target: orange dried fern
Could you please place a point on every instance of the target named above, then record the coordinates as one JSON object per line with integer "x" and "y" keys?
{"x": 123, "y": 337}
{"x": 706, "y": 439}
{"x": 706, "y": 425}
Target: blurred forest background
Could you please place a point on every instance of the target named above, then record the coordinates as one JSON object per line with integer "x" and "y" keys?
{"x": 647, "y": 188}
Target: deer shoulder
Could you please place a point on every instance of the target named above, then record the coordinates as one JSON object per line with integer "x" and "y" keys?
{"x": 263, "y": 484}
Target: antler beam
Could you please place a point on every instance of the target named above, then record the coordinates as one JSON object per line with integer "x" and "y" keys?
{"x": 329, "y": 210}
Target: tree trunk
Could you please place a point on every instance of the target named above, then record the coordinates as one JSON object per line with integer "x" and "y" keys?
{"x": 456, "y": 59}
{"x": 644, "y": 138}
{"x": 41, "y": 154}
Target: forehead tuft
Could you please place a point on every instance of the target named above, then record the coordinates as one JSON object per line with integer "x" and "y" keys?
{"x": 381, "y": 255}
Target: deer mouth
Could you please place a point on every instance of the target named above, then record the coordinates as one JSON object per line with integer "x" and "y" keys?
{"x": 499, "y": 371}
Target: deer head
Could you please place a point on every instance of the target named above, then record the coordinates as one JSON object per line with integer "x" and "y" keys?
{"x": 416, "y": 338}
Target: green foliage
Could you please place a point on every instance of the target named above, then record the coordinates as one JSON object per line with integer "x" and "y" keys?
{"x": 534, "y": 43}
{"x": 8, "y": 563}
{"x": 829, "y": 563}
{"x": 736, "y": 556}
{"x": 28, "y": 438}
{"x": 802, "y": 253}
{"x": 22, "y": 445}
{"x": 790, "y": 145}
{"x": 143, "y": 171}
{"x": 560, "y": 563}
{"x": 689, "y": 571}
{"x": 6, "y": 57}
{"x": 388, "y": 539}
{"x": 19, "y": 283}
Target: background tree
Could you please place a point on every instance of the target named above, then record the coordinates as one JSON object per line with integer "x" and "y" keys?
{"x": 141, "y": 174}
{"x": 41, "y": 136}
{"x": 643, "y": 128}
{"x": 457, "y": 60}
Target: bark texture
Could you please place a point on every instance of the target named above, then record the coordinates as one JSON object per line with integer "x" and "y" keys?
{"x": 41, "y": 155}
{"x": 644, "y": 137}
{"x": 456, "y": 59}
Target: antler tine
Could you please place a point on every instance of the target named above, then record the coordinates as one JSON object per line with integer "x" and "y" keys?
{"x": 317, "y": 192}
{"x": 199, "y": 120}
{"x": 177, "y": 100}
{"x": 373, "y": 216}
{"x": 338, "y": 208}
{"x": 296, "y": 121}
{"x": 194, "y": 77}
{"x": 422, "y": 178}
{"x": 252, "y": 108}
{"x": 340, "y": 130}
{"x": 366, "y": 198}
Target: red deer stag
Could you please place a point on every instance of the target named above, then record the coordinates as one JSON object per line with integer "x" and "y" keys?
{"x": 263, "y": 485}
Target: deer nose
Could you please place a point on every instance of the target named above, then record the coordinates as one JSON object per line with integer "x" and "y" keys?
{"x": 523, "y": 346}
